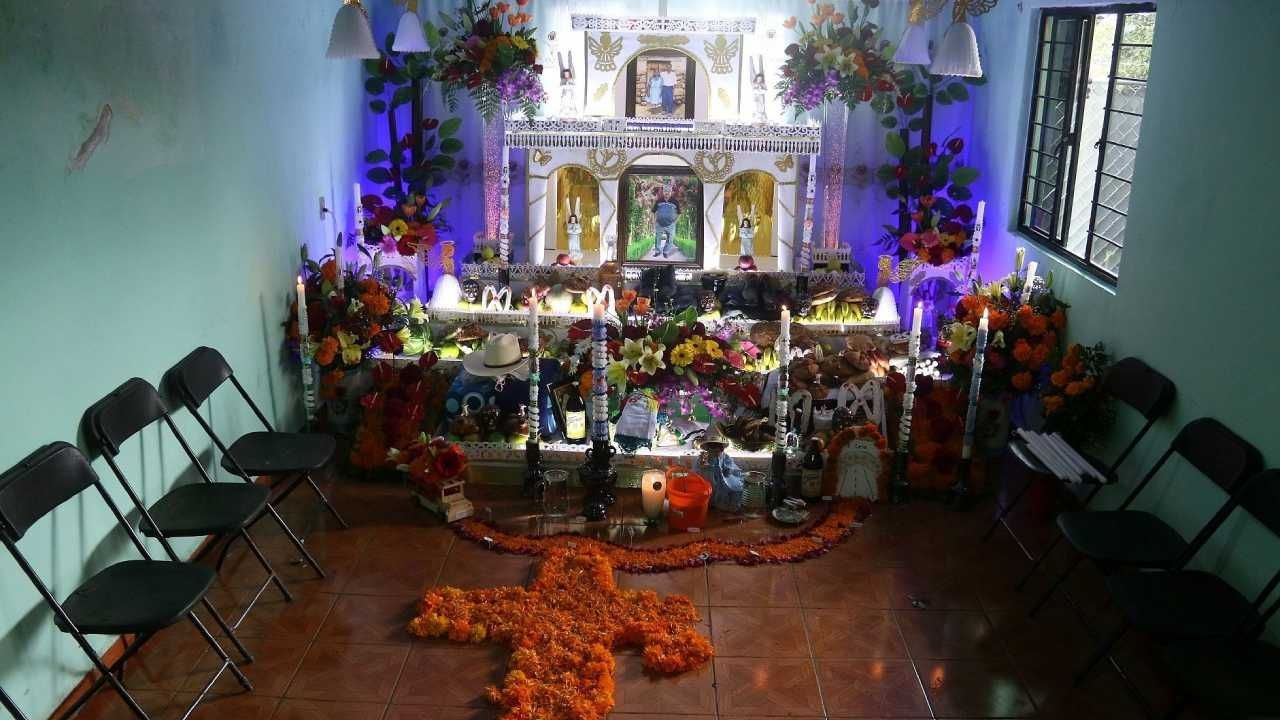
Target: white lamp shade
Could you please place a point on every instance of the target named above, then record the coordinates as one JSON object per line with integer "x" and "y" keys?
{"x": 352, "y": 36}
{"x": 409, "y": 36}
{"x": 914, "y": 48}
{"x": 958, "y": 54}
{"x": 886, "y": 306}
{"x": 447, "y": 293}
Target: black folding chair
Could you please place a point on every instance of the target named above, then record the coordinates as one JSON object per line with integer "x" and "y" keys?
{"x": 219, "y": 510}
{"x": 1130, "y": 381}
{"x": 271, "y": 453}
{"x": 1193, "y": 604}
{"x": 131, "y": 597}
{"x": 11, "y": 706}
{"x": 1125, "y": 538}
{"x": 1226, "y": 679}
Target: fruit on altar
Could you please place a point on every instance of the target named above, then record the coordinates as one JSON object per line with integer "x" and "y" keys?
{"x": 749, "y": 433}
{"x": 465, "y": 427}
{"x": 487, "y": 253}
{"x": 559, "y": 300}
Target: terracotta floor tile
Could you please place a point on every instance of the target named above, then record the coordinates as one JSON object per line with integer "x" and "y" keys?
{"x": 369, "y": 619}
{"x": 163, "y": 663}
{"x": 857, "y": 633}
{"x": 107, "y": 704}
{"x": 469, "y": 566}
{"x": 300, "y": 619}
{"x": 395, "y": 571}
{"x": 855, "y": 589}
{"x": 691, "y": 583}
{"x": 348, "y": 673}
{"x": 759, "y": 586}
{"x": 758, "y": 632}
{"x": 766, "y": 686}
{"x": 947, "y": 634}
{"x": 974, "y": 689}
{"x": 638, "y": 691}
{"x": 215, "y": 707}
{"x": 871, "y": 688}
{"x": 917, "y": 588}
{"x": 450, "y": 675}
{"x": 275, "y": 660}
{"x": 428, "y": 712}
{"x": 658, "y": 716}
{"x": 320, "y": 710}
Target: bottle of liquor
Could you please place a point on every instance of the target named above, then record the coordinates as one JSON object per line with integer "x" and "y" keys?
{"x": 575, "y": 418}
{"x": 811, "y": 472}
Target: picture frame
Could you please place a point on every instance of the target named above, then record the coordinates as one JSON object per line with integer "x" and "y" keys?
{"x": 647, "y": 93}
{"x": 559, "y": 396}
{"x": 660, "y": 201}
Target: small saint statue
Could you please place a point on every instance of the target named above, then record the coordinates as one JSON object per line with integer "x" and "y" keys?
{"x": 568, "y": 87}
{"x": 746, "y": 232}
{"x": 759, "y": 91}
{"x": 573, "y": 228}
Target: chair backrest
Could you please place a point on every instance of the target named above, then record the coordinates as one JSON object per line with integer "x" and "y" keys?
{"x": 197, "y": 375}
{"x": 1139, "y": 386}
{"x": 39, "y": 483}
{"x": 1223, "y": 456}
{"x": 1261, "y": 498}
{"x": 122, "y": 414}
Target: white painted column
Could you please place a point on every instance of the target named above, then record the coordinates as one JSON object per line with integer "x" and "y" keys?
{"x": 609, "y": 219}
{"x": 537, "y": 188}
{"x": 784, "y": 224}
{"x": 712, "y": 224}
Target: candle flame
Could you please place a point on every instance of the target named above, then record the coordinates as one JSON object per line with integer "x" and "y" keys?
{"x": 299, "y": 279}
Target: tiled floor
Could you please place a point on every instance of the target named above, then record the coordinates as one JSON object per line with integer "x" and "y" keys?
{"x": 913, "y": 617}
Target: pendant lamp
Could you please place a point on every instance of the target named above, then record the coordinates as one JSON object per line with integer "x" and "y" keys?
{"x": 914, "y": 46}
{"x": 958, "y": 54}
{"x": 409, "y": 35}
{"x": 352, "y": 35}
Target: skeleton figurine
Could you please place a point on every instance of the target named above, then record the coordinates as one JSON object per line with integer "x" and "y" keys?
{"x": 758, "y": 90}
{"x": 746, "y": 233}
{"x": 568, "y": 87}
{"x": 573, "y": 227}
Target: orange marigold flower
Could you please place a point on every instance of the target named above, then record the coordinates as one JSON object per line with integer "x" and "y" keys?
{"x": 1022, "y": 351}
{"x": 1052, "y": 404}
{"x": 1075, "y": 388}
{"x": 327, "y": 350}
{"x": 1060, "y": 378}
{"x": 329, "y": 271}
{"x": 1022, "y": 381}
{"x": 1059, "y": 318}
{"x": 1039, "y": 356}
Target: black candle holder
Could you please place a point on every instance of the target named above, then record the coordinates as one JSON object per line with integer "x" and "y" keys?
{"x": 533, "y": 480}
{"x": 959, "y": 496}
{"x": 599, "y": 478}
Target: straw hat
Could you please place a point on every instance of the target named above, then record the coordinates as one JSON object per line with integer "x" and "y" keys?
{"x": 500, "y": 356}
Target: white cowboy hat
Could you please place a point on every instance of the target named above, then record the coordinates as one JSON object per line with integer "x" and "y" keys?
{"x": 500, "y": 356}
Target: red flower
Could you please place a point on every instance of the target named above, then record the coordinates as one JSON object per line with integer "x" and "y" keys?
{"x": 449, "y": 463}
{"x": 384, "y": 215}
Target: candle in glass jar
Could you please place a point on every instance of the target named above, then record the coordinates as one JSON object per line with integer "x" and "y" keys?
{"x": 653, "y": 491}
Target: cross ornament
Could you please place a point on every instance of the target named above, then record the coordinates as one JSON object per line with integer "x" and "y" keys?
{"x": 563, "y": 630}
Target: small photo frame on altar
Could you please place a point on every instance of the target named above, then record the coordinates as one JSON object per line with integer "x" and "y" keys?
{"x": 560, "y": 394}
{"x": 661, "y": 84}
{"x": 660, "y": 216}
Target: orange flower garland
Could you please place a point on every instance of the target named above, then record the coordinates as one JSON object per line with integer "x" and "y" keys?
{"x": 830, "y": 478}
{"x": 563, "y": 631}
{"x": 828, "y": 531}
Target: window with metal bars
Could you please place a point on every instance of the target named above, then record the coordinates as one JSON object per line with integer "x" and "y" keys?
{"x": 1088, "y": 90}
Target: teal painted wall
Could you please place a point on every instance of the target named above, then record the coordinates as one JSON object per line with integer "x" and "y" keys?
{"x": 182, "y": 229}
{"x": 1196, "y": 290}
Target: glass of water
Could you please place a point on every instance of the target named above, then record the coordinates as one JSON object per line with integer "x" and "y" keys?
{"x": 755, "y": 492}
{"x": 555, "y": 493}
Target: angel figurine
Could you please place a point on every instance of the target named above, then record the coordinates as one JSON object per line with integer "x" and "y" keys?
{"x": 568, "y": 87}
{"x": 759, "y": 91}
{"x": 573, "y": 227}
{"x": 746, "y": 233}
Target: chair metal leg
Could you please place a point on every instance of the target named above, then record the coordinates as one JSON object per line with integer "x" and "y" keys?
{"x": 1005, "y": 510}
{"x": 11, "y": 706}
{"x": 266, "y": 564}
{"x": 1022, "y": 582}
{"x": 227, "y": 662}
{"x": 325, "y": 501}
{"x": 297, "y": 543}
{"x": 1054, "y": 587}
{"x": 105, "y": 675}
{"x": 1103, "y": 650}
{"x": 222, "y": 625}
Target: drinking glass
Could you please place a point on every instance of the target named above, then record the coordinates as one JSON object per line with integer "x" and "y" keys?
{"x": 555, "y": 493}
{"x": 755, "y": 493}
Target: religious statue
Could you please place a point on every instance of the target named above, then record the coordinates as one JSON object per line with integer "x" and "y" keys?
{"x": 746, "y": 233}
{"x": 759, "y": 91}
{"x": 573, "y": 228}
{"x": 568, "y": 87}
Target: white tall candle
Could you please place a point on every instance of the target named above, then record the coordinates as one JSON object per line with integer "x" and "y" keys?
{"x": 784, "y": 337}
{"x": 304, "y": 352}
{"x": 535, "y": 377}
{"x": 975, "y": 385}
{"x": 909, "y": 398}
{"x": 917, "y": 324}
{"x": 1031, "y": 281}
{"x": 977, "y": 237}
{"x": 304, "y": 329}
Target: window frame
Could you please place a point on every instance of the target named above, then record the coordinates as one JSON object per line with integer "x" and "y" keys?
{"x": 1056, "y": 239}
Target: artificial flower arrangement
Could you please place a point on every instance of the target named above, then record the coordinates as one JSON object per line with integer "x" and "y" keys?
{"x": 838, "y": 57}
{"x": 1073, "y": 401}
{"x": 401, "y": 405}
{"x": 931, "y": 186}
{"x": 430, "y": 463}
{"x": 401, "y": 227}
{"x": 1022, "y": 340}
{"x": 490, "y": 49}
{"x": 345, "y": 324}
{"x": 937, "y": 430}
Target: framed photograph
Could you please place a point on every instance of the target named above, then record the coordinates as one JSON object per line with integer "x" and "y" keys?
{"x": 661, "y": 84}
{"x": 559, "y": 399}
{"x": 661, "y": 216}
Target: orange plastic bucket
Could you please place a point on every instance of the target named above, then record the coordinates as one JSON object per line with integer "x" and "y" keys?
{"x": 689, "y": 495}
